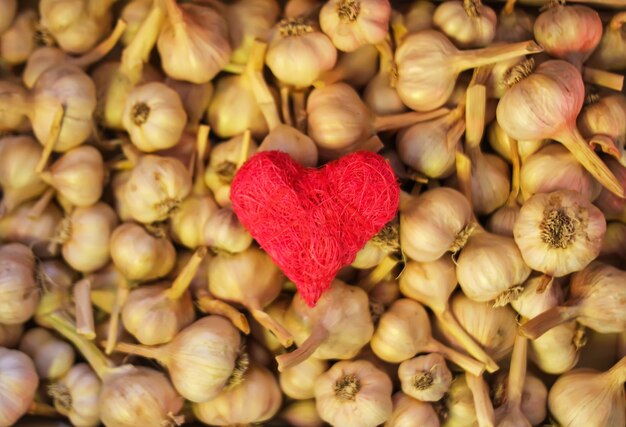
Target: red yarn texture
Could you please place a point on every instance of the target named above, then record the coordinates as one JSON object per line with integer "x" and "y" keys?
{"x": 313, "y": 221}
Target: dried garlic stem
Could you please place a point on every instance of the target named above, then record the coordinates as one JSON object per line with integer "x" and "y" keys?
{"x": 303, "y": 352}
{"x": 484, "y": 408}
{"x": 547, "y": 320}
{"x": 467, "y": 363}
{"x": 603, "y": 78}
{"x": 84, "y": 309}
{"x": 184, "y": 278}
{"x": 210, "y": 305}
{"x": 53, "y": 137}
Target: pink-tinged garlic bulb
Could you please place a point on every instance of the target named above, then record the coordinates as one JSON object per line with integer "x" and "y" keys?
{"x": 514, "y": 25}
{"x": 351, "y": 24}
{"x": 76, "y": 394}
{"x": 610, "y": 54}
{"x": 467, "y": 23}
{"x": 18, "y": 384}
{"x": 37, "y": 233}
{"x": 425, "y": 378}
{"x": 429, "y": 64}
{"x": 298, "y": 53}
{"x": 569, "y": 32}
{"x": 193, "y": 43}
{"x": 559, "y": 233}
{"x": 19, "y": 292}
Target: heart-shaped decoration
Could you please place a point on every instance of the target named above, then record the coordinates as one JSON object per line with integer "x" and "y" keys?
{"x": 313, "y": 221}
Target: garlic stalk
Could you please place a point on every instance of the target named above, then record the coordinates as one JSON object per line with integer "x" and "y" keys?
{"x": 425, "y": 378}
{"x": 76, "y": 394}
{"x": 610, "y": 53}
{"x": 404, "y": 330}
{"x": 354, "y": 393}
{"x": 18, "y": 384}
{"x": 468, "y": 23}
{"x": 431, "y": 284}
{"x": 18, "y": 288}
{"x": 52, "y": 357}
{"x": 408, "y": 412}
{"x": 595, "y": 300}
{"x": 514, "y": 25}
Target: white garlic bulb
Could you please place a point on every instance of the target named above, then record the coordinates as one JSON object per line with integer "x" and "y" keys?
{"x": 76, "y": 394}
{"x": 53, "y": 357}
{"x": 298, "y": 381}
{"x": 408, "y": 412}
{"x": 19, "y": 181}
{"x": 468, "y": 23}
{"x": 425, "y": 378}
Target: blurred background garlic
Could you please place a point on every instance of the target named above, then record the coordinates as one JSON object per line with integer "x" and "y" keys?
{"x": 18, "y": 286}
{"x": 53, "y": 358}
{"x": 18, "y": 383}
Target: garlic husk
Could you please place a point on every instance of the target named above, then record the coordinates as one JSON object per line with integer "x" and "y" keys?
{"x": 20, "y": 226}
{"x": 612, "y": 206}
{"x": 491, "y": 267}
{"x": 493, "y": 328}
{"x": 467, "y": 23}
{"x": 153, "y": 318}
{"x": 425, "y": 378}
{"x": 610, "y": 54}
{"x": 443, "y": 219}
{"x": 514, "y": 25}
{"x": 19, "y": 289}
{"x": 614, "y": 242}
{"x": 225, "y": 159}
{"x": 18, "y": 41}
{"x": 52, "y": 357}
{"x": 154, "y": 117}
{"x": 10, "y": 334}
{"x": 606, "y": 117}
{"x": 156, "y": 187}
{"x": 408, "y": 412}
{"x": 298, "y": 54}
{"x": 336, "y": 328}
{"x": 19, "y": 181}
{"x": 224, "y": 232}
{"x": 248, "y": 20}
{"x": 234, "y": 109}
{"x": 302, "y": 413}
{"x": 289, "y": 140}
{"x": 9, "y": 8}
{"x": 569, "y": 32}
{"x": 559, "y": 233}
{"x": 191, "y": 219}
{"x": 534, "y": 398}
{"x": 76, "y": 25}
{"x": 354, "y": 393}
{"x": 595, "y": 300}
{"x": 351, "y": 24}
{"x": 419, "y": 16}
{"x": 86, "y": 240}
{"x": 298, "y": 381}
{"x": 18, "y": 382}
{"x": 254, "y": 398}
{"x": 140, "y": 255}
{"x": 585, "y": 397}
{"x": 554, "y": 168}
{"x": 76, "y": 394}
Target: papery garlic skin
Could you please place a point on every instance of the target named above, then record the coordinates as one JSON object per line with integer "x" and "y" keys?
{"x": 52, "y": 357}
{"x": 514, "y": 26}
{"x": 351, "y": 24}
{"x": 435, "y": 222}
{"x": 256, "y": 399}
{"x": 554, "y": 168}
{"x": 381, "y": 98}
{"x": 193, "y": 43}
{"x": 425, "y": 378}
{"x": 19, "y": 181}
{"x": 606, "y": 117}
{"x": 195, "y": 99}
{"x": 76, "y": 395}
{"x": 503, "y": 220}
{"x": 533, "y": 403}
{"x": 298, "y": 54}
{"x": 18, "y": 384}
{"x": 298, "y": 382}
{"x": 408, "y": 412}
{"x": 468, "y": 23}
{"x": 558, "y": 350}
{"x": 154, "y": 117}
{"x": 155, "y": 188}
{"x": 19, "y": 292}
{"x": 354, "y": 393}
{"x": 490, "y": 182}
{"x": 559, "y": 232}
{"x": 501, "y": 143}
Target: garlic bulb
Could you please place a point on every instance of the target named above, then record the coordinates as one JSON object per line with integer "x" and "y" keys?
{"x": 611, "y": 205}
{"x": 247, "y": 21}
{"x": 193, "y": 43}
{"x": 559, "y": 233}
{"x": 563, "y": 86}
{"x": 595, "y": 300}
{"x": 234, "y": 109}
{"x": 354, "y": 393}
{"x": 425, "y": 378}
{"x": 12, "y": 118}
{"x": 501, "y": 143}
{"x": 298, "y": 382}
{"x": 140, "y": 255}
{"x": 384, "y": 243}
{"x": 336, "y": 328}
{"x": 491, "y": 267}
{"x": 489, "y": 181}
{"x": 9, "y": 8}
{"x": 191, "y": 219}
{"x": 18, "y": 41}
{"x": 534, "y": 398}
{"x": 585, "y": 397}
{"x": 156, "y": 187}
{"x": 253, "y": 398}
{"x": 610, "y": 52}
{"x": 554, "y": 168}
{"x": 442, "y": 217}
{"x": 614, "y": 242}
{"x": 154, "y": 117}
{"x": 75, "y": 395}
{"x": 195, "y": 98}
{"x": 301, "y": 413}
{"x": 298, "y": 54}
{"x": 355, "y": 68}
{"x": 85, "y": 236}
{"x": 76, "y": 25}
{"x": 569, "y": 32}
{"x": 558, "y": 350}
{"x": 18, "y": 287}
{"x": 133, "y": 13}
{"x": 289, "y": 140}
{"x": 200, "y": 358}
{"x": 459, "y": 409}
{"x": 514, "y": 25}
{"x": 10, "y": 335}
{"x": 18, "y": 382}
{"x": 429, "y": 64}
{"x": 408, "y": 412}
{"x": 467, "y": 23}
{"x": 419, "y": 16}
{"x": 351, "y": 24}
{"x": 52, "y": 357}
{"x": 224, "y": 232}
{"x": 78, "y": 176}
{"x": 605, "y": 118}
{"x": 380, "y": 96}
{"x": 404, "y": 330}
{"x": 37, "y": 233}
{"x": 494, "y": 328}
{"x": 19, "y": 181}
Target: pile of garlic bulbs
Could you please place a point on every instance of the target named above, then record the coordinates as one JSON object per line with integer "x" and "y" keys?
{"x": 131, "y": 295}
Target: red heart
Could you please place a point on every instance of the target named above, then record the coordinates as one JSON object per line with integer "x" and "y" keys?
{"x": 313, "y": 221}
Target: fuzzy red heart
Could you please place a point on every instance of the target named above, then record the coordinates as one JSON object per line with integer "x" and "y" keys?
{"x": 312, "y": 221}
